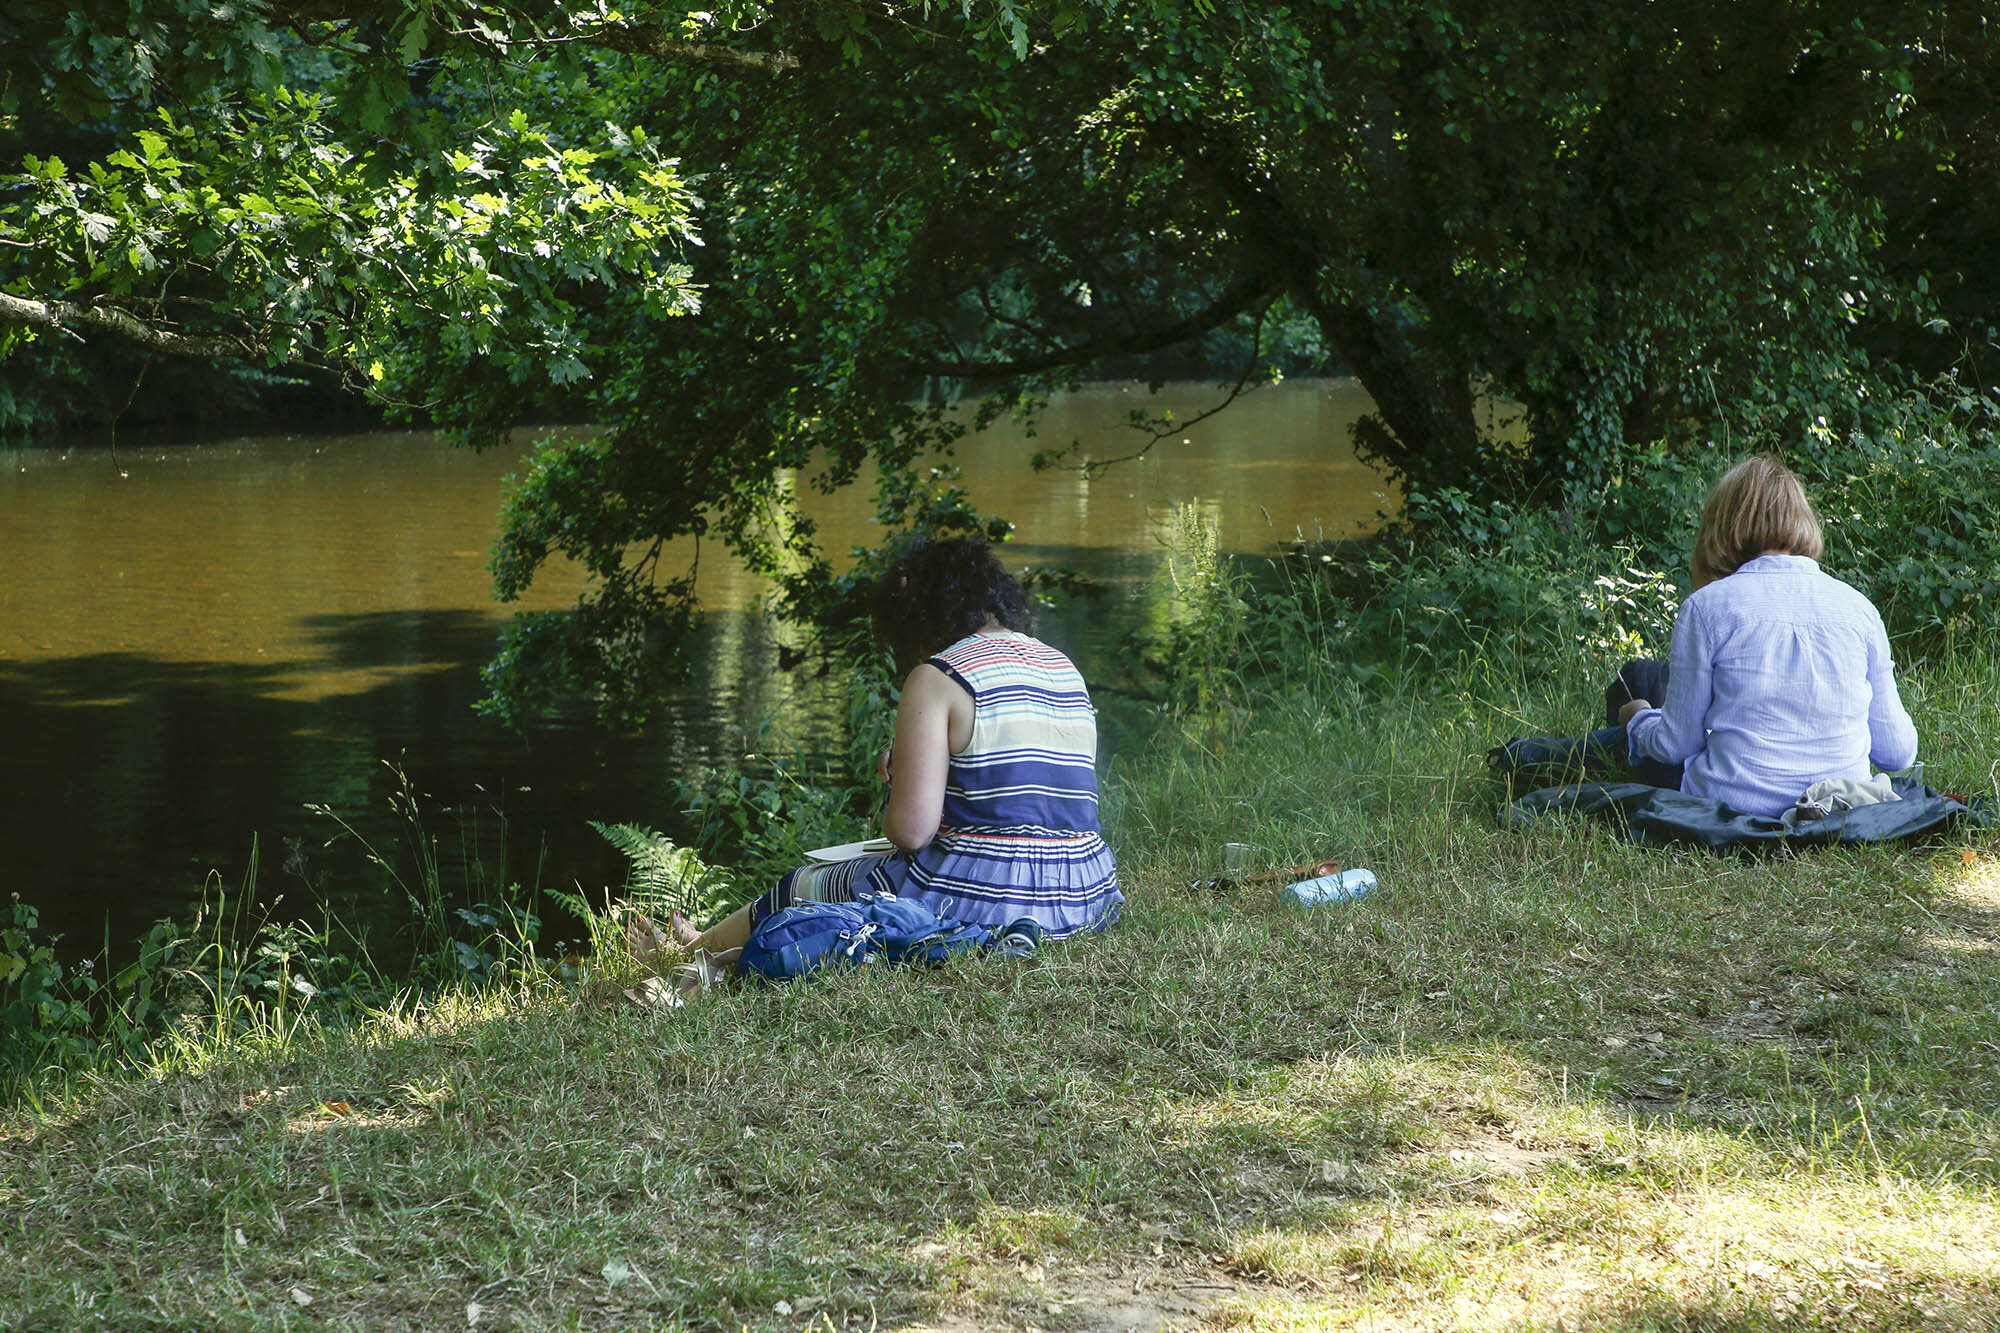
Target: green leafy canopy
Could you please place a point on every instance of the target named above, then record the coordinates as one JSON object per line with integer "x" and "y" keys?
{"x": 258, "y": 233}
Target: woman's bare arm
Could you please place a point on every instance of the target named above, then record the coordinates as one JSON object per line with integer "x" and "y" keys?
{"x": 921, "y": 757}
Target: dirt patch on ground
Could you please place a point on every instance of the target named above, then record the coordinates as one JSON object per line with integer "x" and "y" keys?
{"x": 1144, "y": 1298}
{"x": 1497, "y": 1158}
{"x": 1773, "y": 1016}
{"x": 1156, "y": 1300}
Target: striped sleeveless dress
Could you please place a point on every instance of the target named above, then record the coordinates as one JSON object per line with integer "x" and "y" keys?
{"x": 1019, "y": 835}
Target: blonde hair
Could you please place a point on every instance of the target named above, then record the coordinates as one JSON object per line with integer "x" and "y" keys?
{"x": 1757, "y": 506}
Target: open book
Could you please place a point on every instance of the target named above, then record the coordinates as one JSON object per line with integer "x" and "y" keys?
{"x": 847, "y": 851}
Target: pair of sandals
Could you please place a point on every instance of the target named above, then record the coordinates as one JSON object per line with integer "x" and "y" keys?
{"x": 682, "y": 970}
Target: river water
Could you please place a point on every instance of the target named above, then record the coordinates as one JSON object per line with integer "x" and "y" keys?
{"x": 200, "y": 642}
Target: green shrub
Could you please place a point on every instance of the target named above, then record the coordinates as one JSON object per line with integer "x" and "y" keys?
{"x": 45, "y": 1015}
{"x": 1912, "y": 511}
{"x": 1910, "y": 500}
{"x": 1201, "y": 651}
{"x": 1532, "y": 588}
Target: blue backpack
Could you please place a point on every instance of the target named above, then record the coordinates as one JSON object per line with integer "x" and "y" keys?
{"x": 912, "y": 932}
{"x": 874, "y": 927}
{"x": 804, "y": 936}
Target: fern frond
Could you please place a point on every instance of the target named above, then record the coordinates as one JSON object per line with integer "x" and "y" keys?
{"x": 664, "y": 875}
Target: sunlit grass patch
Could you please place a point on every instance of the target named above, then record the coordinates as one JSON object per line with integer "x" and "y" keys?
{"x": 1622, "y": 1250}
{"x": 1031, "y": 1234}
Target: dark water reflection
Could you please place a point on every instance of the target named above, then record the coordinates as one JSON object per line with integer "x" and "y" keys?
{"x": 199, "y": 642}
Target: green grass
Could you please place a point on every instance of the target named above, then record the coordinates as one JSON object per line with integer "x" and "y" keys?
{"x": 1538, "y": 1079}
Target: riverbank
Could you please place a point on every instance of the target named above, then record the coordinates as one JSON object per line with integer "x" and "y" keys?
{"x": 1537, "y": 1078}
{"x": 206, "y": 641}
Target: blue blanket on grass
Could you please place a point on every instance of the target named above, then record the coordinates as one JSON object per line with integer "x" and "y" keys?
{"x": 1661, "y": 817}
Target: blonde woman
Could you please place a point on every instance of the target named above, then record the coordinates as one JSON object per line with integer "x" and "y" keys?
{"x": 1780, "y": 676}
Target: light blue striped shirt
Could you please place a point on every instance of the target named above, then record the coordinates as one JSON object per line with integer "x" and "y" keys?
{"x": 1780, "y": 676}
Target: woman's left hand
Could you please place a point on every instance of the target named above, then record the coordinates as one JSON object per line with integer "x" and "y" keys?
{"x": 1631, "y": 710}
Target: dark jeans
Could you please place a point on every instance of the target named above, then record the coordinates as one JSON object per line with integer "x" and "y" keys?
{"x": 1641, "y": 678}
{"x": 1599, "y": 754}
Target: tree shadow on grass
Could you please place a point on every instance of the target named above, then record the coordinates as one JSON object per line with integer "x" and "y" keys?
{"x": 989, "y": 1145}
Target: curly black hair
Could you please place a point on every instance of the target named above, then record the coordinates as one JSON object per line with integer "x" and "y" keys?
{"x": 937, "y": 592}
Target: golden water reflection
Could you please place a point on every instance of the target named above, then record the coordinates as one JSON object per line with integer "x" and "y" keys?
{"x": 198, "y": 641}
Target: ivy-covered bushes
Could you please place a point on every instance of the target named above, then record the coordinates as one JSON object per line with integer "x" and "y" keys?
{"x": 1912, "y": 510}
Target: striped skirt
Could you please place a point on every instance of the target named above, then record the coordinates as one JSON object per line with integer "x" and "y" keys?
{"x": 1063, "y": 881}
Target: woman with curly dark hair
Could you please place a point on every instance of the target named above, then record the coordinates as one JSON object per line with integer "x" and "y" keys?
{"x": 992, "y": 777}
